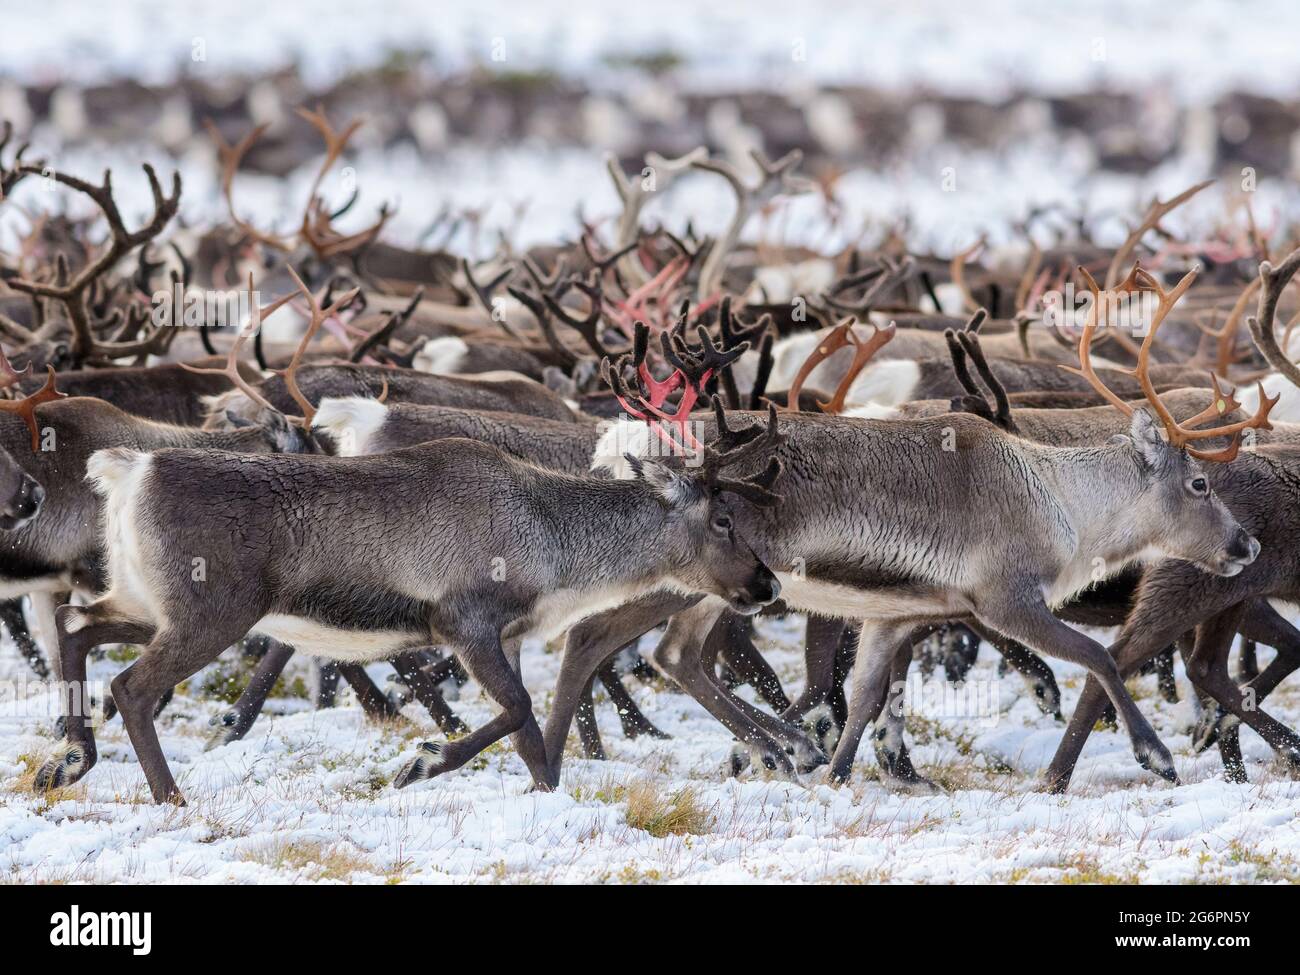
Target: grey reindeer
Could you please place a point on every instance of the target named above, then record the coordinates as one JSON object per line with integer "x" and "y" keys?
{"x": 359, "y": 558}
{"x": 907, "y": 523}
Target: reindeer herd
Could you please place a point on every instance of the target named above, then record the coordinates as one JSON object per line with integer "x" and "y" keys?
{"x": 640, "y": 431}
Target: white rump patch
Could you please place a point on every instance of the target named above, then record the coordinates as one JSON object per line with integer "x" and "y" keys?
{"x": 621, "y": 436}
{"x": 441, "y": 356}
{"x": 112, "y": 467}
{"x": 1286, "y": 411}
{"x": 872, "y": 411}
{"x": 351, "y": 421}
{"x": 890, "y": 382}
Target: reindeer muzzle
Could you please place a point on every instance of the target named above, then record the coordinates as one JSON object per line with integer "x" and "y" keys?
{"x": 24, "y": 505}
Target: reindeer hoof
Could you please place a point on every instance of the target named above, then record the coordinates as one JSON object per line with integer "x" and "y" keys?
{"x": 424, "y": 766}
{"x": 740, "y": 759}
{"x": 1209, "y": 725}
{"x": 1156, "y": 758}
{"x": 63, "y": 769}
{"x": 229, "y": 727}
{"x": 820, "y": 721}
{"x": 913, "y": 785}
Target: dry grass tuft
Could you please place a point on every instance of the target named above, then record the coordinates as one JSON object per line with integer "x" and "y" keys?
{"x": 315, "y": 860}
{"x": 678, "y": 813}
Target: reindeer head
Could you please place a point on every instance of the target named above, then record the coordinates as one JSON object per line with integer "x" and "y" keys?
{"x": 20, "y": 495}
{"x": 708, "y": 553}
{"x": 1194, "y": 524}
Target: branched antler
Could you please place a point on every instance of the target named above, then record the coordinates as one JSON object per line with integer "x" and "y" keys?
{"x": 73, "y": 291}
{"x": 1180, "y": 434}
{"x": 1274, "y": 281}
{"x": 775, "y": 179}
{"x": 231, "y": 369}
{"x": 1155, "y": 213}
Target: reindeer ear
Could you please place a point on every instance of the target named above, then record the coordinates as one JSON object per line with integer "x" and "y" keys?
{"x": 675, "y": 488}
{"x": 1150, "y": 446}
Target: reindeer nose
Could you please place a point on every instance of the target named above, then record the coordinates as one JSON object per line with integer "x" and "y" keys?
{"x": 1243, "y": 547}
{"x": 766, "y": 588}
{"x": 31, "y": 495}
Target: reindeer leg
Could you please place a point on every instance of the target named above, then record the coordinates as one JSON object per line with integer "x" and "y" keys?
{"x": 1208, "y": 669}
{"x": 327, "y": 682}
{"x": 1165, "y": 675}
{"x": 635, "y": 723}
{"x": 169, "y": 658}
{"x": 11, "y": 616}
{"x": 822, "y": 638}
{"x": 373, "y": 701}
{"x": 43, "y": 605}
{"x": 593, "y": 749}
{"x": 586, "y": 647}
{"x": 410, "y": 668}
{"x": 232, "y": 725}
{"x": 1030, "y": 666}
{"x": 488, "y": 663}
{"x": 879, "y": 644}
{"x": 808, "y": 755}
{"x": 1033, "y": 624}
{"x": 1248, "y": 662}
{"x": 740, "y": 654}
{"x": 78, "y": 754}
{"x": 896, "y": 769}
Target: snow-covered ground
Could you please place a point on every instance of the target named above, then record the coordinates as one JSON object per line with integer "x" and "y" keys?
{"x": 307, "y": 797}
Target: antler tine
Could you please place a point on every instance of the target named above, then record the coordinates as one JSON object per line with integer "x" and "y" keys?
{"x": 393, "y": 320}
{"x": 1085, "y": 346}
{"x": 957, "y": 270}
{"x": 970, "y": 344}
{"x": 889, "y": 279}
{"x": 230, "y": 158}
{"x": 483, "y": 292}
{"x": 231, "y": 369}
{"x": 769, "y": 439}
{"x": 832, "y": 343}
{"x": 539, "y": 310}
{"x": 10, "y": 376}
{"x": 1155, "y": 213}
{"x": 335, "y": 142}
{"x": 1181, "y": 435}
{"x": 72, "y": 290}
{"x": 1274, "y": 281}
{"x": 317, "y": 318}
{"x": 756, "y": 489}
{"x": 764, "y": 372}
{"x": 26, "y": 407}
{"x": 589, "y": 327}
{"x": 863, "y": 353}
{"x": 546, "y": 283}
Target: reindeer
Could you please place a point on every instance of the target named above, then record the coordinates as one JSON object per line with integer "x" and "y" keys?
{"x": 411, "y": 564}
{"x": 903, "y": 524}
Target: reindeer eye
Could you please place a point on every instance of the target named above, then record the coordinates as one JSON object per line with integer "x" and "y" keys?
{"x": 1199, "y": 486}
{"x": 722, "y": 523}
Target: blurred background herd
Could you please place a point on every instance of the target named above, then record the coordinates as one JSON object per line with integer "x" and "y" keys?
{"x": 933, "y": 121}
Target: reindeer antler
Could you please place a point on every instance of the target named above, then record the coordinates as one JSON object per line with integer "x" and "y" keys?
{"x": 1180, "y": 435}
{"x": 73, "y": 290}
{"x": 1274, "y": 281}
{"x": 231, "y": 369}
{"x": 775, "y": 179}
{"x": 26, "y": 407}
{"x": 317, "y": 317}
{"x": 1155, "y": 213}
